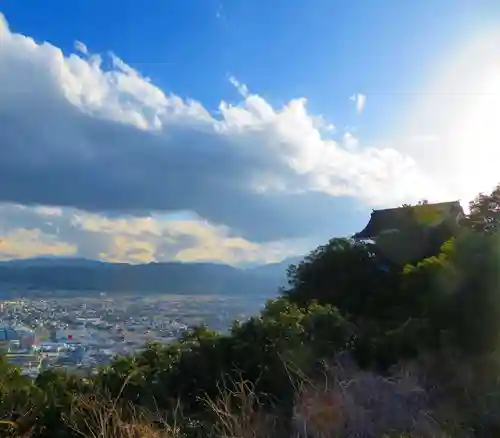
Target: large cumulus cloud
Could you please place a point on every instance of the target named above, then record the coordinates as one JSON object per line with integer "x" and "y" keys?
{"x": 76, "y": 134}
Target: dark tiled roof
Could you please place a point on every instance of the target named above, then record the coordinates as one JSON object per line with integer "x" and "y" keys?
{"x": 401, "y": 217}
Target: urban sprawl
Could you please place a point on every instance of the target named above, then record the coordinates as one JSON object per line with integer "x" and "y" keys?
{"x": 80, "y": 334}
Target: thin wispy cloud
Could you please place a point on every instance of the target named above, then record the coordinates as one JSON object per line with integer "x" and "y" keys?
{"x": 81, "y": 47}
{"x": 219, "y": 14}
{"x": 359, "y": 101}
{"x": 242, "y": 88}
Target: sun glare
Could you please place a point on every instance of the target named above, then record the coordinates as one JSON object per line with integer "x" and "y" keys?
{"x": 462, "y": 114}
{"x": 477, "y": 135}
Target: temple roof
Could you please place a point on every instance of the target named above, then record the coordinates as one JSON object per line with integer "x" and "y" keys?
{"x": 400, "y": 217}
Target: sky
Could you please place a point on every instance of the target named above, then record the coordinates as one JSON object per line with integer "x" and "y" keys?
{"x": 236, "y": 131}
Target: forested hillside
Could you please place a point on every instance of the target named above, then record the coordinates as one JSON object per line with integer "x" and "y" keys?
{"x": 359, "y": 345}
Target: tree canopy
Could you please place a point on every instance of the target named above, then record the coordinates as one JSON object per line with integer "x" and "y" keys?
{"x": 346, "y": 296}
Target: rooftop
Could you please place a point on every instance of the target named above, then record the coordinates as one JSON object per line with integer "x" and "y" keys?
{"x": 401, "y": 217}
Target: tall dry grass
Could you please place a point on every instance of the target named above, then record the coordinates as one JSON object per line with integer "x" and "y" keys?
{"x": 91, "y": 418}
{"x": 345, "y": 402}
{"x": 342, "y": 402}
{"x": 239, "y": 413}
{"x": 106, "y": 417}
{"x": 349, "y": 402}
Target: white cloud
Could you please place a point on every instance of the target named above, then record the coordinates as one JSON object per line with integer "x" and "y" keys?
{"x": 146, "y": 239}
{"x": 25, "y": 232}
{"x": 23, "y": 243}
{"x": 4, "y": 27}
{"x": 360, "y": 102}
{"x": 242, "y": 88}
{"x": 81, "y": 47}
{"x": 350, "y": 142}
{"x": 76, "y": 134}
{"x": 44, "y": 210}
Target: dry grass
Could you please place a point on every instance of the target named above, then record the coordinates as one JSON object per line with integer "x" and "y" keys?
{"x": 344, "y": 402}
{"x": 239, "y": 413}
{"x": 470, "y": 386}
{"x": 350, "y": 402}
{"x": 105, "y": 417}
{"x": 100, "y": 419}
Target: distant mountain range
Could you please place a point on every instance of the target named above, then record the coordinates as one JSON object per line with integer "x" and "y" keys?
{"x": 76, "y": 274}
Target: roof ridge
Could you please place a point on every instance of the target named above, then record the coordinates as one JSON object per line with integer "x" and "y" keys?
{"x": 418, "y": 205}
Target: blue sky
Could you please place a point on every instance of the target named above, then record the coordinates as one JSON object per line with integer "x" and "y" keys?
{"x": 322, "y": 49}
{"x": 106, "y": 163}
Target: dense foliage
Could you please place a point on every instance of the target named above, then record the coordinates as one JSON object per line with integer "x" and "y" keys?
{"x": 344, "y": 298}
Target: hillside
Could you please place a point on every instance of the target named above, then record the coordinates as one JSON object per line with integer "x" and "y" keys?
{"x": 348, "y": 350}
{"x": 172, "y": 277}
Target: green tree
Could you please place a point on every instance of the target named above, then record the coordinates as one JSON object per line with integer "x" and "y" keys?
{"x": 345, "y": 273}
{"x": 484, "y": 212}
